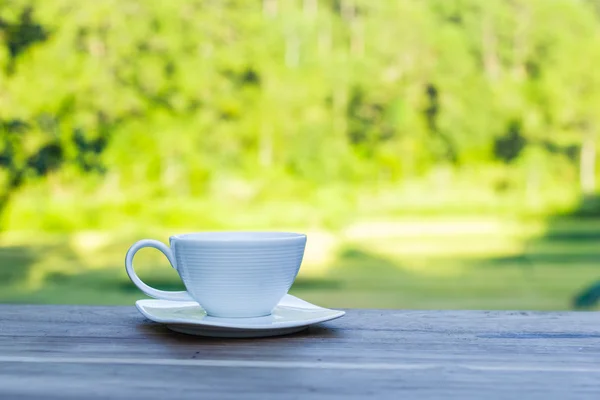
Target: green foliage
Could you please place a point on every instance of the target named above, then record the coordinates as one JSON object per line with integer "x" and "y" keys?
{"x": 107, "y": 105}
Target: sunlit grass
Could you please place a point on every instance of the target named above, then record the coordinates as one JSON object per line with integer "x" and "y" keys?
{"x": 511, "y": 265}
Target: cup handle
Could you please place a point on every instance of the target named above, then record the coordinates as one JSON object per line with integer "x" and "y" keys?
{"x": 150, "y": 291}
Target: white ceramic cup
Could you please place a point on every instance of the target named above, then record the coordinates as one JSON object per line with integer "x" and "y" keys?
{"x": 230, "y": 274}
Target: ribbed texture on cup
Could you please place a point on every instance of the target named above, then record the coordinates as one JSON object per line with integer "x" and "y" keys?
{"x": 238, "y": 279}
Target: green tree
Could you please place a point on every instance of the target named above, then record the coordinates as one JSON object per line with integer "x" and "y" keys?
{"x": 154, "y": 99}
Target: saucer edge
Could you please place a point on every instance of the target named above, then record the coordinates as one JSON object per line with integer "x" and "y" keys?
{"x": 335, "y": 314}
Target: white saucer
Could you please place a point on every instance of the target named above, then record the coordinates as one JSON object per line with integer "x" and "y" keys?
{"x": 291, "y": 315}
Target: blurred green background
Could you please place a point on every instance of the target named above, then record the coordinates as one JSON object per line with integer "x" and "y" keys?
{"x": 439, "y": 154}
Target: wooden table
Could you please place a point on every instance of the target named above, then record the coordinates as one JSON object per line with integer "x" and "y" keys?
{"x": 62, "y": 352}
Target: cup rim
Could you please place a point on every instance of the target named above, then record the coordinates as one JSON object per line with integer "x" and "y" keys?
{"x": 238, "y": 236}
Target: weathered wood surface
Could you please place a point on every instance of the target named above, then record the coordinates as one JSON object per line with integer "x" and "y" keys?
{"x": 62, "y": 352}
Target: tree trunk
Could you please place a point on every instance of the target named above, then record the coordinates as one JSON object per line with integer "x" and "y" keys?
{"x": 310, "y": 7}
{"x": 324, "y": 43}
{"x": 520, "y": 41}
{"x": 491, "y": 64}
{"x": 587, "y": 164}
{"x": 265, "y": 152}
{"x": 533, "y": 178}
{"x": 357, "y": 46}
{"x": 292, "y": 50}
{"x": 270, "y": 8}
{"x": 348, "y": 11}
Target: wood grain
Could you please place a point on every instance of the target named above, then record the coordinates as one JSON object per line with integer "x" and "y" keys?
{"x": 113, "y": 352}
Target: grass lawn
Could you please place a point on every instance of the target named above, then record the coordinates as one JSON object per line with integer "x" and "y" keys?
{"x": 434, "y": 265}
